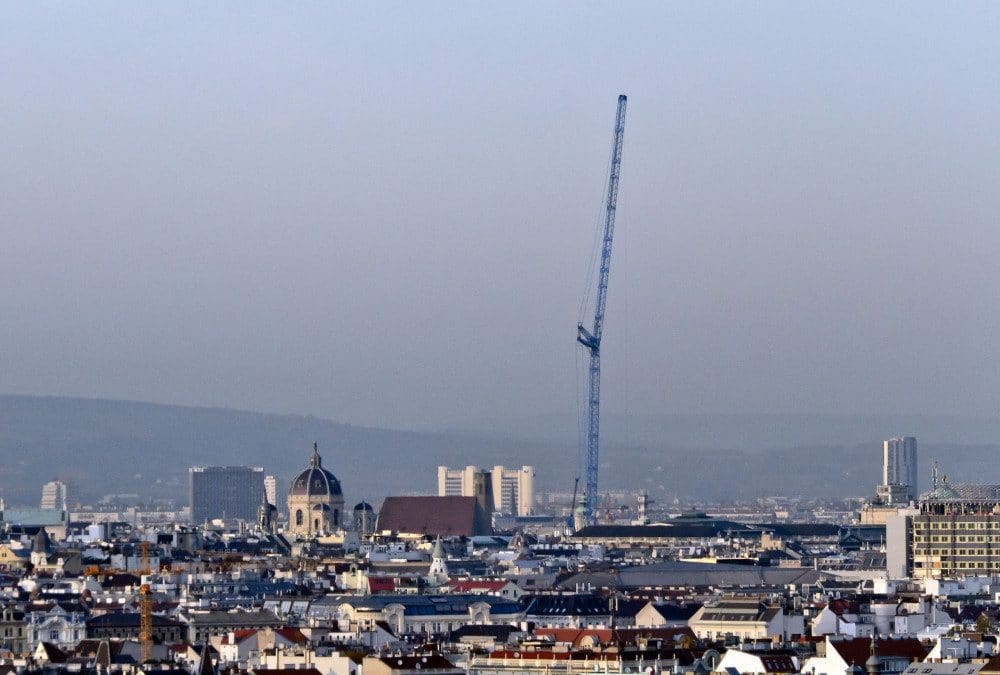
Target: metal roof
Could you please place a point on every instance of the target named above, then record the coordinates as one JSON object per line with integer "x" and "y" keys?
{"x": 707, "y": 574}
{"x": 421, "y": 604}
{"x": 966, "y": 492}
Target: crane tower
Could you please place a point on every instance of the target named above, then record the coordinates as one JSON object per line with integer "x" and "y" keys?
{"x": 145, "y": 609}
{"x": 592, "y": 339}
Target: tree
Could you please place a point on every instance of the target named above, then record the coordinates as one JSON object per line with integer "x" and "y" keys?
{"x": 984, "y": 624}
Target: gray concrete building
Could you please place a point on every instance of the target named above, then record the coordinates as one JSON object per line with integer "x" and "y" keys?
{"x": 230, "y": 492}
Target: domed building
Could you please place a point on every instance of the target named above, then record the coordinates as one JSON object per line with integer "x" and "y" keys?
{"x": 364, "y": 519}
{"x": 315, "y": 500}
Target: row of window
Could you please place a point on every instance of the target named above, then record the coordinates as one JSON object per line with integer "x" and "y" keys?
{"x": 970, "y": 539}
{"x": 952, "y": 552}
{"x": 300, "y": 519}
{"x": 957, "y": 525}
{"x": 963, "y": 565}
{"x": 54, "y": 636}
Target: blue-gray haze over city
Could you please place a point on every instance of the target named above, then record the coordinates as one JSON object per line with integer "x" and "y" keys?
{"x": 382, "y": 214}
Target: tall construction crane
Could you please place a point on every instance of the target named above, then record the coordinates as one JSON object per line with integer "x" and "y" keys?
{"x": 145, "y": 609}
{"x": 592, "y": 339}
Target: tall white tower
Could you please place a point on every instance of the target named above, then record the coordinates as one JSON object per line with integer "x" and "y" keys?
{"x": 899, "y": 466}
{"x": 54, "y": 495}
{"x": 271, "y": 490}
{"x": 438, "y": 571}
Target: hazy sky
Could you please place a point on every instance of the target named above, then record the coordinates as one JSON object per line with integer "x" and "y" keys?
{"x": 383, "y": 214}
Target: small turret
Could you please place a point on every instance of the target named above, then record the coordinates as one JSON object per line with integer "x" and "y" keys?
{"x": 872, "y": 665}
{"x": 40, "y": 548}
{"x": 438, "y": 571}
{"x": 265, "y": 515}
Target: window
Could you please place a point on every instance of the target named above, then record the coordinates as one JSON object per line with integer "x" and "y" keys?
{"x": 298, "y": 517}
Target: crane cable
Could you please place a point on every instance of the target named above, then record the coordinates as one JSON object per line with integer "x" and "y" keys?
{"x": 580, "y": 373}
{"x": 595, "y": 247}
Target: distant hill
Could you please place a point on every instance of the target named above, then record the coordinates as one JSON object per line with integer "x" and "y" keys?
{"x": 101, "y": 447}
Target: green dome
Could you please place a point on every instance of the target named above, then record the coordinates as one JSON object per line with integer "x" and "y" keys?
{"x": 945, "y": 491}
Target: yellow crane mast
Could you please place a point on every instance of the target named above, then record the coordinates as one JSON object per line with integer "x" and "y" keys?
{"x": 145, "y": 610}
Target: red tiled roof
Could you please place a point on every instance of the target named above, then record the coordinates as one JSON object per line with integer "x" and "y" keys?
{"x": 855, "y": 651}
{"x": 621, "y": 636}
{"x": 992, "y": 666}
{"x": 239, "y": 636}
{"x": 470, "y": 585}
{"x": 423, "y": 662}
{"x": 381, "y": 584}
{"x": 445, "y": 516}
{"x": 292, "y": 635}
{"x": 841, "y": 605}
{"x": 542, "y": 655}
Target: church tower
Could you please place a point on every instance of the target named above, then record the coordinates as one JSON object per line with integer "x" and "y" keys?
{"x": 438, "y": 573}
{"x": 315, "y": 501}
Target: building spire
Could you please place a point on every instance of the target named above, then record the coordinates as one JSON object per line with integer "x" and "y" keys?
{"x": 872, "y": 665}
{"x": 316, "y": 460}
{"x": 438, "y": 571}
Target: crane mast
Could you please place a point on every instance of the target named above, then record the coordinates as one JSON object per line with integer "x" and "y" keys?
{"x": 145, "y": 610}
{"x": 592, "y": 339}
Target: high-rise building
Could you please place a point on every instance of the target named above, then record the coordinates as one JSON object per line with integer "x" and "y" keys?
{"x": 230, "y": 492}
{"x": 954, "y": 532}
{"x": 54, "y": 495}
{"x": 455, "y": 482}
{"x": 467, "y": 482}
{"x": 271, "y": 490}
{"x": 501, "y": 490}
{"x": 899, "y": 471}
{"x": 514, "y": 490}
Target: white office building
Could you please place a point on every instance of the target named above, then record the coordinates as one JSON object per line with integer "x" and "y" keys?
{"x": 513, "y": 490}
{"x": 899, "y": 469}
{"x": 54, "y": 495}
{"x": 271, "y": 490}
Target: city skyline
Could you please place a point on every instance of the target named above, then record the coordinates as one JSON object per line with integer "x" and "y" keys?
{"x": 291, "y": 384}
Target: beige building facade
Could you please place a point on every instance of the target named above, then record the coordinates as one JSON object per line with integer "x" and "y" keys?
{"x": 315, "y": 501}
{"x": 509, "y": 491}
